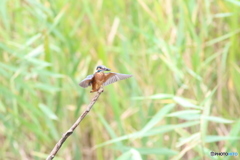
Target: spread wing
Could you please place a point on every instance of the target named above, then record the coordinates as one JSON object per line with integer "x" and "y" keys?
{"x": 86, "y": 82}
{"x": 114, "y": 77}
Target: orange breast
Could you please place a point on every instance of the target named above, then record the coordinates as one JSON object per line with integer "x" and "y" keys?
{"x": 98, "y": 80}
{"x": 99, "y": 77}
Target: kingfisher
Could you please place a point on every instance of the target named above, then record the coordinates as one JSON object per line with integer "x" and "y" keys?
{"x": 100, "y": 79}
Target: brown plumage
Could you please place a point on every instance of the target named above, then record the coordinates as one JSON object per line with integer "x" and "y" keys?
{"x": 100, "y": 79}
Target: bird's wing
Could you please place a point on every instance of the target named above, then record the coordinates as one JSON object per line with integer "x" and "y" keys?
{"x": 86, "y": 82}
{"x": 114, "y": 77}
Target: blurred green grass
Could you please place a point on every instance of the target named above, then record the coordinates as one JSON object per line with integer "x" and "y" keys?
{"x": 182, "y": 102}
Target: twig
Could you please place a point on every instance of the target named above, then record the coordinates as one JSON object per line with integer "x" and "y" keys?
{"x": 74, "y": 126}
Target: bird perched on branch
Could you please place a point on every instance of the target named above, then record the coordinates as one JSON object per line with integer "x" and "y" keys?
{"x": 100, "y": 79}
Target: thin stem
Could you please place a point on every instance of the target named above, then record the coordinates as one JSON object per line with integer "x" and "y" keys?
{"x": 74, "y": 126}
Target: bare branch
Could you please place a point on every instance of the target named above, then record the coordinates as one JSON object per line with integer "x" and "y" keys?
{"x": 74, "y": 126}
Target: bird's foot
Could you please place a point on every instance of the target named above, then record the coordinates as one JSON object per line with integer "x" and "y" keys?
{"x": 98, "y": 90}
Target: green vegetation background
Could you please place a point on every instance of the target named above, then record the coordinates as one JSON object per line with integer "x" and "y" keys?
{"x": 182, "y": 102}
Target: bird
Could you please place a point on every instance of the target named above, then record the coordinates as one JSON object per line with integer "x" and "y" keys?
{"x": 100, "y": 79}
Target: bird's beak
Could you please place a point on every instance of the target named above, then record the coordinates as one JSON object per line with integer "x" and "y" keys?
{"x": 107, "y": 69}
